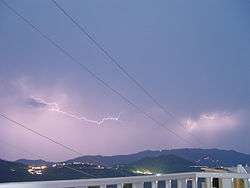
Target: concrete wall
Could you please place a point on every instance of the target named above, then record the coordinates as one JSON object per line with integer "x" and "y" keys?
{"x": 138, "y": 181}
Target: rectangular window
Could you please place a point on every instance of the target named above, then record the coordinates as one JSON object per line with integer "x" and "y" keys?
{"x": 147, "y": 184}
{"x": 111, "y": 186}
{"x": 161, "y": 184}
{"x": 127, "y": 185}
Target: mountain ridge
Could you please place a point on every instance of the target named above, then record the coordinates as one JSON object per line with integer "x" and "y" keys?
{"x": 202, "y": 157}
{"x": 163, "y": 164}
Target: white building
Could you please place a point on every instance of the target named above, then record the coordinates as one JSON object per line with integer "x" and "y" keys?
{"x": 177, "y": 180}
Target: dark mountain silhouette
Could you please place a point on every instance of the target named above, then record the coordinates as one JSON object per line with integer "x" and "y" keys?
{"x": 33, "y": 162}
{"x": 164, "y": 161}
{"x": 163, "y": 164}
{"x": 203, "y": 157}
{"x": 16, "y": 172}
{"x": 12, "y": 171}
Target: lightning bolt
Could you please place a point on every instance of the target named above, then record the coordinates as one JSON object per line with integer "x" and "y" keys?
{"x": 53, "y": 106}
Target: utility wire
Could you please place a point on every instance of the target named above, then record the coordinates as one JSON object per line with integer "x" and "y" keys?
{"x": 45, "y": 137}
{"x": 114, "y": 61}
{"x": 65, "y": 52}
{"x": 40, "y": 134}
{"x": 22, "y": 149}
{"x": 41, "y": 157}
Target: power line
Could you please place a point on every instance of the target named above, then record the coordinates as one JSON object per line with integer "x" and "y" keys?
{"x": 114, "y": 61}
{"x": 65, "y": 52}
{"x": 40, "y": 134}
{"x": 41, "y": 157}
{"x": 43, "y": 136}
{"x": 22, "y": 149}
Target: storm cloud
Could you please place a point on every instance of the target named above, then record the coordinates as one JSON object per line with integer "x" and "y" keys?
{"x": 193, "y": 56}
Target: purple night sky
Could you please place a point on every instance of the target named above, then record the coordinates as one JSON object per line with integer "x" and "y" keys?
{"x": 193, "y": 56}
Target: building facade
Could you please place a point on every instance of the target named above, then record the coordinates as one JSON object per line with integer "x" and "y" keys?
{"x": 177, "y": 180}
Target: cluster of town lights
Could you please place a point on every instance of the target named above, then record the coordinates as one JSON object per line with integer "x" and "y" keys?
{"x": 37, "y": 170}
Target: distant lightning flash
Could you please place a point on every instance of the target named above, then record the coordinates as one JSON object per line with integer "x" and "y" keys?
{"x": 53, "y": 106}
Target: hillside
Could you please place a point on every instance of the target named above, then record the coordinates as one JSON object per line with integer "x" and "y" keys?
{"x": 33, "y": 162}
{"x": 16, "y": 172}
{"x": 164, "y": 161}
{"x": 12, "y": 171}
{"x": 162, "y": 164}
{"x": 203, "y": 157}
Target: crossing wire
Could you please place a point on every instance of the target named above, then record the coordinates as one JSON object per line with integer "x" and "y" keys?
{"x": 115, "y": 62}
{"x": 41, "y": 157}
{"x": 84, "y": 67}
{"x": 45, "y": 137}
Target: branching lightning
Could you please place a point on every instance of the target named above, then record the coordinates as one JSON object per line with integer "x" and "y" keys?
{"x": 53, "y": 106}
